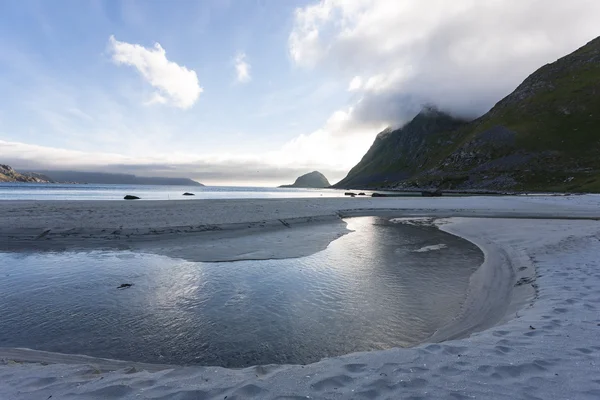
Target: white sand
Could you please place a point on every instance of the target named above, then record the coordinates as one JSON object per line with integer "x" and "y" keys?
{"x": 545, "y": 349}
{"x": 195, "y": 229}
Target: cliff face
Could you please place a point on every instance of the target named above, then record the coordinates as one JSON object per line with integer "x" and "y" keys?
{"x": 315, "y": 180}
{"x": 543, "y": 136}
{"x": 7, "y": 174}
{"x": 396, "y": 155}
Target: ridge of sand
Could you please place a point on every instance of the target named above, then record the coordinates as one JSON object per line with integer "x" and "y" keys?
{"x": 195, "y": 229}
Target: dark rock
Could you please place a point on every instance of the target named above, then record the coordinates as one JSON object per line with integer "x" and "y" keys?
{"x": 379, "y": 195}
{"x": 431, "y": 193}
{"x": 349, "y": 194}
{"x": 125, "y": 285}
{"x": 130, "y": 197}
{"x": 361, "y": 194}
{"x": 314, "y": 180}
{"x": 188, "y": 194}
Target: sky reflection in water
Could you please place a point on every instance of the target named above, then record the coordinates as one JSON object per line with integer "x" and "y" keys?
{"x": 368, "y": 290}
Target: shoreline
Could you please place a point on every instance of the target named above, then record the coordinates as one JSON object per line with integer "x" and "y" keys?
{"x": 494, "y": 291}
{"x": 469, "y": 320}
{"x": 176, "y": 228}
{"x": 512, "y": 240}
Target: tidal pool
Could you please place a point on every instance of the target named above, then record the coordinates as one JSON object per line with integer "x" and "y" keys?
{"x": 384, "y": 285}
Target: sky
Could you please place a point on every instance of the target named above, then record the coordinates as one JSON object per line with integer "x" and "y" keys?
{"x": 256, "y": 92}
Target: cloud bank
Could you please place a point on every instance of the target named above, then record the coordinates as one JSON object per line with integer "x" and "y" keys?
{"x": 461, "y": 55}
{"x": 269, "y": 169}
{"x": 175, "y": 84}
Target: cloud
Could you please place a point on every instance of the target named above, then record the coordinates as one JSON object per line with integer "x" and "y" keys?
{"x": 461, "y": 55}
{"x": 355, "y": 84}
{"x": 156, "y": 99}
{"x": 175, "y": 84}
{"x": 273, "y": 168}
{"x": 242, "y": 68}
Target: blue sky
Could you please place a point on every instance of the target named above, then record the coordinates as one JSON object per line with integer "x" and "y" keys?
{"x": 255, "y": 91}
{"x": 57, "y": 60}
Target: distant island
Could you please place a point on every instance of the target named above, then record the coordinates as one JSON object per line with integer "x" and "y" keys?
{"x": 8, "y": 174}
{"x": 312, "y": 180}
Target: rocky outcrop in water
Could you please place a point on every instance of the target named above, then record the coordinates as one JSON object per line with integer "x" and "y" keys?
{"x": 315, "y": 180}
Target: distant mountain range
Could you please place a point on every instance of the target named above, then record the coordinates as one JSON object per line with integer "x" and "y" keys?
{"x": 7, "y": 174}
{"x": 314, "y": 180}
{"x": 545, "y": 136}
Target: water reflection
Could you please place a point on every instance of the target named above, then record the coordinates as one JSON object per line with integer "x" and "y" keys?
{"x": 367, "y": 290}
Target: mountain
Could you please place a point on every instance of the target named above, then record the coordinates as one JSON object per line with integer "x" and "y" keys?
{"x": 39, "y": 177}
{"x": 398, "y": 155}
{"x": 313, "y": 179}
{"x": 545, "y": 136}
{"x": 106, "y": 178}
{"x": 7, "y": 174}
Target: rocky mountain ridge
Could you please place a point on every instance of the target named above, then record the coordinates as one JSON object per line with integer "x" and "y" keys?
{"x": 8, "y": 174}
{"x": 545, "y": 136}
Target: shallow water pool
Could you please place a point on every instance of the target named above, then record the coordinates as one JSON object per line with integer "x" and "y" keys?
{"x": 383, "y": 285}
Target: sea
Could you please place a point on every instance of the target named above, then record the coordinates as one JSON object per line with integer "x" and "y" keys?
{"x": 55, "y": 191}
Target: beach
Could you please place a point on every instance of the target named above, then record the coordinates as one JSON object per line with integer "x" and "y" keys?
{"x": 527, "y": 329}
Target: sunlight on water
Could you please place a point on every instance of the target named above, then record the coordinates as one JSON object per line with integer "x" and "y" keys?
{"x": 368, "y": 290}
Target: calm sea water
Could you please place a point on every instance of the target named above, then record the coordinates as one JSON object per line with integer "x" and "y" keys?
{"x": 375, "y": 288}
{"x": 45, "y": 191}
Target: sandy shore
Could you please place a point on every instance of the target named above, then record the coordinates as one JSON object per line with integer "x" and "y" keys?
{"x": 254, "y": 229}
{"x": 535, "y": 301}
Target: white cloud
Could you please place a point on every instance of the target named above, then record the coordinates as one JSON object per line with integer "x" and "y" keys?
{"x": 398, "y": 55}
{"x": 462, "y": 55}
{"x": 175, "y": 84}
{"x": 156, "y": 99}
{"x": 242, "y": 68}
{"x": 337, "y": 146}
{"x": 355, "y": 84}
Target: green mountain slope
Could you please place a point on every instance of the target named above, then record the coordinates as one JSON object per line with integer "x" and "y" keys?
{"x": 543, "y": 136}
{"x": 397, "y": 155}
